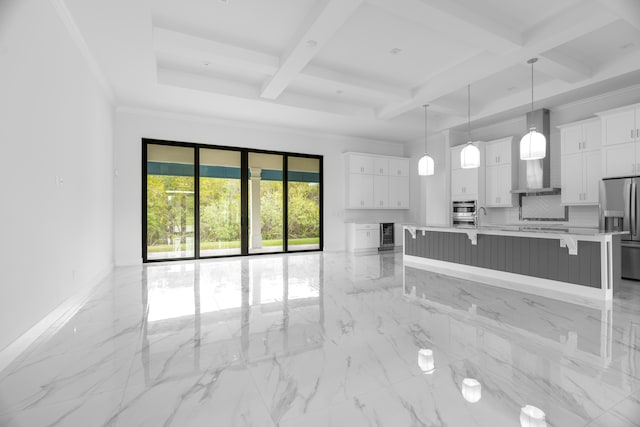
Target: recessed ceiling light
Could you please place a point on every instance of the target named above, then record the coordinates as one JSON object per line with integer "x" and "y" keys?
{"x": 395, "y": 51}
{"x": 312, "y": 43}
{"x": 339, "y": 91}
{"x": 206, "y": 63}
{"x": 627, "y": 45}
{"x": 224, "y": 1}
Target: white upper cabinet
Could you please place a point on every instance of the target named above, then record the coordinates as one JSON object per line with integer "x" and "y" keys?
{"x": 620, "y": 126}
{"x": 399, "y": 167}
{"x": 377, "y": 182}
{"x": 580, "y": 162}
{"x": 498, "y": 152}
{"x": 380, "y": 166}
{"x": 581, "y": 136}
{"x": 621, "y": 141}
{"x": 360, "y": 164}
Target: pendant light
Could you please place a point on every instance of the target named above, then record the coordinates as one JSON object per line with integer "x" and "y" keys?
{"x": 533, "y": 145}
{"x": 425, "y": 165}
{"x": 470, "y": 154}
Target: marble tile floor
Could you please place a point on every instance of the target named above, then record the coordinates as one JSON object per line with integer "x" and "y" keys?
{"x": 329, "y": 339}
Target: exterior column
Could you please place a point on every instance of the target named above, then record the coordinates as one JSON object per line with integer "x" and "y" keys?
{"x": 256, "y": 232}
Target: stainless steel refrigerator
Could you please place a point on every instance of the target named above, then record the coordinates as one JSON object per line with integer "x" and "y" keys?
{"x": 619, "y": 212}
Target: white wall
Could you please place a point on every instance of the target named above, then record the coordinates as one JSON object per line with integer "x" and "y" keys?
{"x": 133, "y": 125}
{"x": 57, "y": 234}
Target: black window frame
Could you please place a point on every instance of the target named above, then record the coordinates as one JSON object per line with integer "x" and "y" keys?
{"x": 244, "y": 198}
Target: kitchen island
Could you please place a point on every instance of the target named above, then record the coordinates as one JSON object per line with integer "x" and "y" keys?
{"x": 560, "y": 262}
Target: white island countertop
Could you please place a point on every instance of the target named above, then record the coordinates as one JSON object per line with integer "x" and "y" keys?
{"x": 540, "y": 231}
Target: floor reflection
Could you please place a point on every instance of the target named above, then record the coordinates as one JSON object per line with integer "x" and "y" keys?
{"x": 269, "y": 305}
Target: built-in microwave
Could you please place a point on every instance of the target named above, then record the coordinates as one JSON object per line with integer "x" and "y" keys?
{"x": 463, "y": 213}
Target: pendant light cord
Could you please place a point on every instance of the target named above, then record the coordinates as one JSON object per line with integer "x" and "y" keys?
{"x": 469, "y": 112}
{"x": 425, "y": 127}
{"x": 532, "y": 85}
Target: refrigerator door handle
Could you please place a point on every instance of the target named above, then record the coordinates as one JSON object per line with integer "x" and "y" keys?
{"x": 626, "y": 220}
{"x": 632, "y": 209}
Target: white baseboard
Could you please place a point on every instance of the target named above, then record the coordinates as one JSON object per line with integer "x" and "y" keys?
{"x": 57, "y": 318}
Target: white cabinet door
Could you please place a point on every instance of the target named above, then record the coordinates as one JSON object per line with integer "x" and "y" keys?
{"x": 367, "y": 239}
{"x": 505, "y": 198}
{"x": 592, "y": 135}
{"x": 399, "y": 192}
{"x": 571, "y": 137}
{"x": 619, "y": 127}
{"x": 592, "y": 174}
{"x": 491, "y": 153}
{"x": 618, "y": 160}
{"x": 464, "y": 184}
{"x": 380, "y": 166}
{"x": 491, "y": 192}
{"x": 399, "y": 167}
{"x": 380, "y": 191}
{"x": 571, "y": 177}
{"x": 360, "y": 190}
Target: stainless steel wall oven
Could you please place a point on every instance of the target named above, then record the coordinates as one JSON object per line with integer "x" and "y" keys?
{"x": 463, "y": 213}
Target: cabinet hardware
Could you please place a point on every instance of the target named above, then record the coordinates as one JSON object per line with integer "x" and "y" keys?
{"x": 637, "y": 133}
{"x": 631, "y": 133}
{"x": 361, "y": 169}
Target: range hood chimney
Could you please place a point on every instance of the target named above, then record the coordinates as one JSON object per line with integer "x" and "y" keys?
{"x": 534, "y": 176}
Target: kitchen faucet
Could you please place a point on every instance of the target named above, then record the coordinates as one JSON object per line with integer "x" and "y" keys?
{"x": 484, "y": 212}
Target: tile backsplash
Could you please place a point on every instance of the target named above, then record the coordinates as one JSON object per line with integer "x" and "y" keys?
{"x": 579, "y": 216}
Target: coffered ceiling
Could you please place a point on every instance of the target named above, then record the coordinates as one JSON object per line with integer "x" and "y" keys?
{"x": 359, "y": 67}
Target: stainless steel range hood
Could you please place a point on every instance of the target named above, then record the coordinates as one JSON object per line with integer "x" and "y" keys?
{"x": 534, "y": 176}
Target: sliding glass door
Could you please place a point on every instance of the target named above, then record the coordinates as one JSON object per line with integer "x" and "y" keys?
{"x": 220, "y": 202}
{"x": 202, "y": 201}
{"x": 303, "y": 203}
{"x": 170, "y": 187}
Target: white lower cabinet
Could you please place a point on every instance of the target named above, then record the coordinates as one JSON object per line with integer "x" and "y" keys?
{"x": 361, "y": 237}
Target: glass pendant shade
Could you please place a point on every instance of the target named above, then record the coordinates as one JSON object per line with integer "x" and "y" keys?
{"x": 470, "y": 156}
{"x": 533, "y": 145}
{"x": 425, "y": 165}
{"x": 471, "y": 390}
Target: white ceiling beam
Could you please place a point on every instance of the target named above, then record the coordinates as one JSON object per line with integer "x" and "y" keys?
{"x": 314, "y": 35}
{"x": 570, "y": 24}
{"x": 457, "y": 22}
{"x": 628, "y": 10}
{"x": 196, "y": 50}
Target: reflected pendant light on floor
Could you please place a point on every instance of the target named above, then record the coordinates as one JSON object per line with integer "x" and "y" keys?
{"x": 533, "y": 145}
{"x": 425, "y": 165}
{"x": 470, "y": 154}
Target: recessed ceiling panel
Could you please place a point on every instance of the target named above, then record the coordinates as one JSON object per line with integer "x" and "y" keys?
{"x": 384, "y": 47}
{"x": 603, "y": 46}
{"x": 520, "y": 15}
{"x": 258, "y": 24}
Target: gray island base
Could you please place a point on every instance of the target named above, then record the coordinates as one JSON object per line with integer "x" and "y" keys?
{"x": 580, "y": 265}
